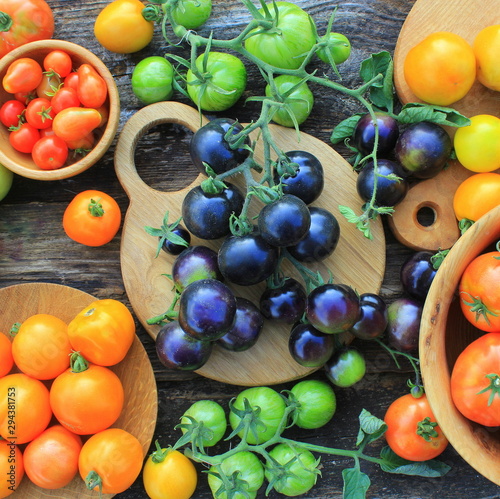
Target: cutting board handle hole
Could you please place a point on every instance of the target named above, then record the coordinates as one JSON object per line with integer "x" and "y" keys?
{"x": 426, "y": 216}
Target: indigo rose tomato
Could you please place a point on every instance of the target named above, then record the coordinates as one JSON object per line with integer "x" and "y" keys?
{"x": 366, "y": 129}
{"x": 310, "y": 347}
{"x": 423, "y": 149}
{"x": 318, "y": 403}
{"x": 213, "y": 418}
{"x": 320, "y": 240}
{"x": 209, "y": 145}
{"x": 284, "y": 302}
{"x": 207, "y": 309}
{"x": 178, "y": 350}
{"x": 246, "y": 329}
{"x": 388, "y": 181}
{"x": 346, "y": 367}
{"x": 207, "y": 215}
{"x": 224, "y": 78}
{"x": 403, "y": 324}
{"x": 337, "y": 48}
{"x": 286, "y": 43}
{"x": 372, "y": 320}
{"x": 417, "y": 273}
{"x": 152, "y": 79}
{"x": 248, "y": 259}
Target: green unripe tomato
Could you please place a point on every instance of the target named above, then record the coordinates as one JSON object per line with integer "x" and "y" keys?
{"x": 6, "y": 179}
{"x": 191, "y": 13}
{"x": 213, "y": 417}
{"x": 317, "y": 403}
{"x": 346, "y": 367}
{"x": 152, "y": 80}
{"x": 339, "y": 47}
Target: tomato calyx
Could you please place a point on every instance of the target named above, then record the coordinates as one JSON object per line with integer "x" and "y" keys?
{"x": 6, "y": 21}
{"x": 78, "y": 363}
{"x": 195, "y": 432}
{"x": 159, "y": 455}
{"x": 425, "y": 429}
{"x": 493, "y": 388}
{"x": 478, "y": 307}
{"x": 95, "y": 208}
{"x": 93, "y": 480}
{"x": 167, "y": 233}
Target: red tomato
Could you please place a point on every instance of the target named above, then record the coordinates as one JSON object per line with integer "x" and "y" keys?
{"x": 23, "y": 75}
{"x": 24, "y": 409}
{"x": 24, "y": 137}
{"x": 65, "y": 97}
{"x": 475, "y": 380}
{"x": 74, "y": 123}
{"x": 83, "y": 145}
{"x": 111, "y": 460}
{"x": 6, "y": 359}
{"x": 39, "y": 113}
{"x": 58, "y": 61}
{"x": 479, "y": 291}
{"x": 51, "y": 459}
{"x": 11, "y": 112}
{"x": 86, "y": 398}
{"x": 92, "y": 88}
{"x": 31, "y": 20}
{"x": 71, "y": 80}
{"x": 412, "y": 431}
{"x": 25, "y": 97}
{"x": 92, "y": 218}
{"x": 50, "y": 153}
{"x": 11, "y": 467}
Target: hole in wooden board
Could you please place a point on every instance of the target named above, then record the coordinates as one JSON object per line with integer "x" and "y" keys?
{"x": 162, "y": 157}
{"x": 426, "y": 216}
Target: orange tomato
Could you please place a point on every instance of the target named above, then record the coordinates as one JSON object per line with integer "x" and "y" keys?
{"x": 74, "y": 123}
{"x": 486, "y": 48}
{"x": 441, "y": 68}
{"x": 92, "y": 89}
{"x": 11, "y": 468}
{"x": 51, "y": 459}
{"x": 111, "y": 460}
{"x": 86, "y": 398}
{"x": 103, "y": 332}
{"x": 92, "y": 218}
{"x": 41, "y": 347}
{"x": 24, "y": 407}
{"x": 6, "y": 359}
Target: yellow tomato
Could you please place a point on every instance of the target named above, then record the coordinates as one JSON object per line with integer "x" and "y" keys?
{"x": 440, "y": 69}
{"x": 487, "y": 50}
{"x": 121, "y": 28}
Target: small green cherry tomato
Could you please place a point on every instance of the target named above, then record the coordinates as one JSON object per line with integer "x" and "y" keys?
{"x": 346, "y": 367}
{"x": 297, "y": 98}
{"x": 152, "y": 80}
{"x": 223, "y": 80}
{"x": 317, "y": 403}
{"x": 191, "y": 13}
{"x": 339, "y": 47}
{"x": 213, "y": 417}
{"x": 6, "y": 179}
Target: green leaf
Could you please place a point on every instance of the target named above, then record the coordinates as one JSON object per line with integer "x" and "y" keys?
{"x": 345, "y": 129}
{"x": 371, "y": 428}
{"x": 395, "y": 464}
{"x": 381, "y": 90}
{"x": 356, "y": 483}
{"x": 414, "y": 112}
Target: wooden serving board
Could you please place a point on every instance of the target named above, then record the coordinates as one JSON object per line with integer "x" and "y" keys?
{"x": 357, "y": 260}
{"x": 465, "y": 18}
{"x": 19, "y": 302}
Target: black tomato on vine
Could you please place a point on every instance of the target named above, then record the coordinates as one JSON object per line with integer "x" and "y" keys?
{"x": 417, "y": 274}
{"x": 308, "y": 181}
{"x": 310, "y": 347}
{"x": 247, "y": 259}
{"x": 364, "y": 133}
{"x": 284, "y": 303}
{"x": 207, "y": 215}
{"x": 285, "y": 221}
{"x": 178, "y": 350}
{"x": 403, "y": 326}
{"x": 207, "y": 309}
{"x": 173, "y": 248}
{"x": 372, "y": 321}
{"x": 209, "y": 146}
{"x": 320, "y": 240}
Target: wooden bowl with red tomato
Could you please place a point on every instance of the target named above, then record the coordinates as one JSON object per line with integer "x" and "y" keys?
{"x": 73, "y": 125}
{"x": 445, "y": 333}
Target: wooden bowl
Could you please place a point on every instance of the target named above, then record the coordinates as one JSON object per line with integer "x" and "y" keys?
{"x": 141, "y": 400}
{"x": 22, "y": 163}
{"x": 444, "y": 333}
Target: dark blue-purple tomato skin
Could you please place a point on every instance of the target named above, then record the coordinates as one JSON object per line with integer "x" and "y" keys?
{"x": 332, "y": 308}
{"x": 310, "y": 347}
{"x": 207, "y": 309}
{"x": 247, "y": 260}
{"x": 320, "y": 240}
{"x": 372, "y": 320}
{"x": 177, "y": 249}
{"x": 194, "y": 263}
{"x": 284, "y": 222}
{"x": 417, "y": 274}
{"x": 364, "y": 133}
{"x": 209, "y": 146}
{"x": 180, "y": 351}
{"x": 207, "y": 215}
{"x": 284, "y": 303}
{"x": 423, "y": 149}
{"x": 403, "y": 324}
{"x": 389, "y": 191}
{"x": 246, "y": 329}
{"x": 308, "y": 181}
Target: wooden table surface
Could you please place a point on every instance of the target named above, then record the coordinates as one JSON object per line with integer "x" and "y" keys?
{"x": 34, "y": 248}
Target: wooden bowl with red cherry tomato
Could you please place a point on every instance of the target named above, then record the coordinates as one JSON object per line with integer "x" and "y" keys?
{"x": 459, "y": 350}
{"x": 68, "y": 120}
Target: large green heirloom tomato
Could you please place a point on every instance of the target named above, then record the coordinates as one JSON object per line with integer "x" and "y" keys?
{"x": 152, "y": 80}
{"x": 224, "y": 78}
{"x": 318, "y": 403}
{"x": 286, "y": 45}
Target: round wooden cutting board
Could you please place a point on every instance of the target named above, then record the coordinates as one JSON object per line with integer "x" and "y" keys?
{"x": 19, "y": 302}
{"x": 357, "y": 260}
{"x": 465, "y": 18}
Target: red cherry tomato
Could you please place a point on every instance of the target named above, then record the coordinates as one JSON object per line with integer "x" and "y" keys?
{"x": 65, "y": 97}
{"x": 11, "y": 112}
{"x": 40, "y": 113}
{"x": 92, "y": 88}
{"x": 50, "y": 153}
{"x": 24, "y": 137}
{"x": 58, "y": 61}
{"x": 71, "y": 80}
